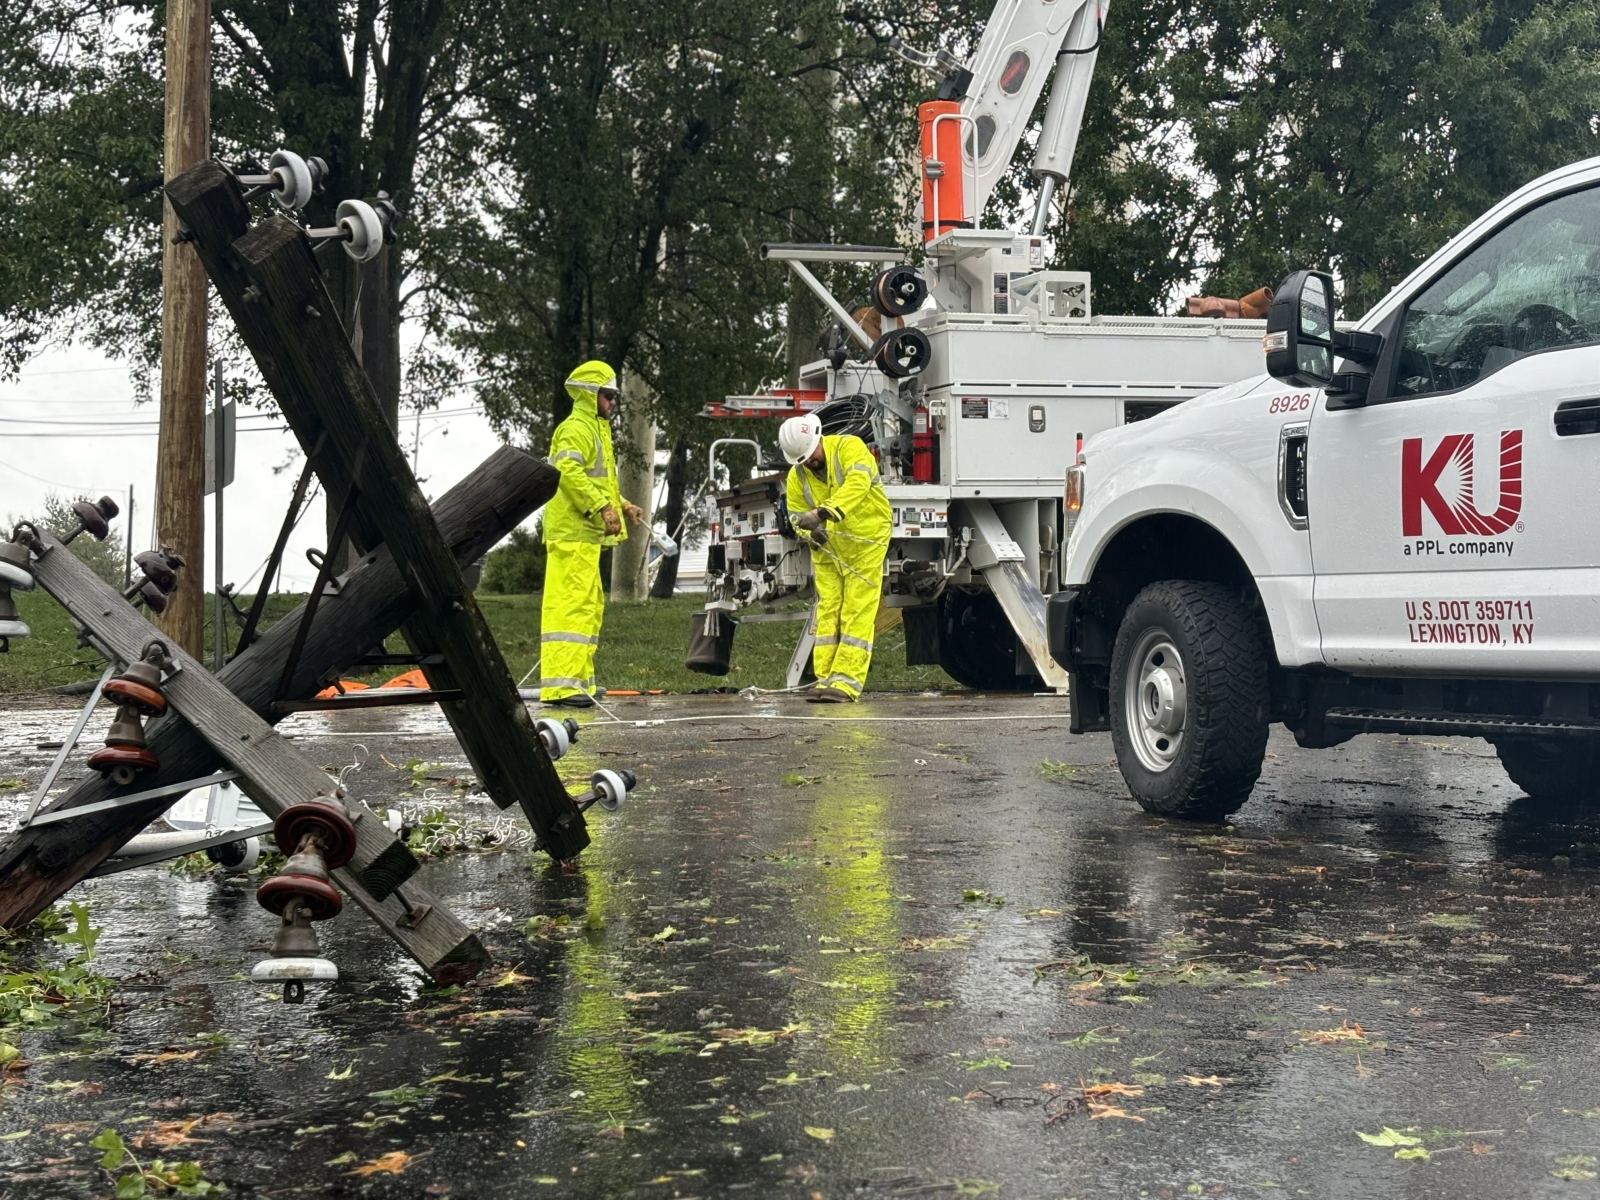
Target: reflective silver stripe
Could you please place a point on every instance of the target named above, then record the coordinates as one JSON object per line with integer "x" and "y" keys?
{"x": 572, "y": 454}
{"x": 838, "y": 467}
{"x": 828, "y": 641}
{"x": 862, "y": 467}
{"x": 584, "y": 386}
{"x": 598, "y": 471}
{"x": 838, "y": 678}
{"x": 583, "y": 639}
{"x": 846, "y": 640}
{"x": 560, "y": 681}
{"x": 805, "y": 487}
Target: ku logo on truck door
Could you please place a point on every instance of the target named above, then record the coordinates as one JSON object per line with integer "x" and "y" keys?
{"x": 1444, "y": 484}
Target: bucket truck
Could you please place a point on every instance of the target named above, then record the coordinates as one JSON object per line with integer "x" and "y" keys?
{"x": 986, "y": 372}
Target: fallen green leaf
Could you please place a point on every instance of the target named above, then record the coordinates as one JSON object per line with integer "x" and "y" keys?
{"x": 1388, "y": 1137}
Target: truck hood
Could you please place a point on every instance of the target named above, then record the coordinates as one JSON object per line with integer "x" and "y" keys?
{"x": 1205, "y": 412}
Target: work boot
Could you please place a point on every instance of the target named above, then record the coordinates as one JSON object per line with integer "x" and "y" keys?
{"x": 577, "y": 700}
{"x": 826, "y": 695}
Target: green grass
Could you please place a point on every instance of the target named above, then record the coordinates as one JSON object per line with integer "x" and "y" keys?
{"x": 642, "y": 648}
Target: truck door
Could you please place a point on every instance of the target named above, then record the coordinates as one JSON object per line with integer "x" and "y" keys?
{"x": 1455, "y": 517}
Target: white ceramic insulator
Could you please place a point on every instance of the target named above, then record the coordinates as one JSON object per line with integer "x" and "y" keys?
{"x": 613, "y": 791}
{"x": 293, "y": 188}
{"x": 14, "y": 629}
{"x": 363, "y": 231}
{"x": 278, "y": 970}
{"x": 554, "y": 736}
{"x": 15, "y": 577}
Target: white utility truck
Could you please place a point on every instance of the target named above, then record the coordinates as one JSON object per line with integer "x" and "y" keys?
{"x": 983, "y": 376}
{"x": 1394, "y": 530}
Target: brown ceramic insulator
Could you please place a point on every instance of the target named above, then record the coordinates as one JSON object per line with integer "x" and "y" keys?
{"x": 95, "y": 522}
{"x": 8, "y": 606}
{"x": 126, "y": 728}
{"x": 139, "y": 685}
{"x": 154, "y": 598}
{"x": 295, "y": 937}
{"x": 157, "y": 569}
{"x": 320, "y": 897}
{"x": 123, "y": 763}
{"x": 328, "y": 823}
{"x": 131, "y": 692}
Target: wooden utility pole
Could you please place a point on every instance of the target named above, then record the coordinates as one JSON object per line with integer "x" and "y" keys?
{"x": 636, "y": 478}
{"x": 180, "y": 468}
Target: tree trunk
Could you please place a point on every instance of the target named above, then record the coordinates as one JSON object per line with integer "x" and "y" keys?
{"x": 636, "y": 475}
{"x": 677, "y": 487}
{"x": 180, "y": 467}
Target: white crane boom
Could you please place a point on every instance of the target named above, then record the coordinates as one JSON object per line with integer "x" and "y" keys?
{"x": 999, "y": 91}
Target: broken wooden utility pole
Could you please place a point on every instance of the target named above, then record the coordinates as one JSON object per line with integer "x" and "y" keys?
{"x": 180, "y": 464}
{"x": 267, "y": 276}
{"x": 40, "y": 863}
{"x": 271, "y": 771}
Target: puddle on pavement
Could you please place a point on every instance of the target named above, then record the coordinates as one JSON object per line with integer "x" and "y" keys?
{"x": 871, "y": 959}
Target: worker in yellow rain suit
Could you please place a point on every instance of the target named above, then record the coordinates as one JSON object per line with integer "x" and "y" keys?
{"x": 837, "y": 505}
{"x": 584, "y": 516}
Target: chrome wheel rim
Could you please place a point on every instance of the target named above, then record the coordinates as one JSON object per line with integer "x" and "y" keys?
{"x": 1156, "y": 701}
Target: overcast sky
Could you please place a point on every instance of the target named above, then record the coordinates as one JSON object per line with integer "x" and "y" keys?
{"x": 69, "y": 425}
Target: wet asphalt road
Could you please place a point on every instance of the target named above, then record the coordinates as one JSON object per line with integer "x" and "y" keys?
{"x": 890, "y": 957}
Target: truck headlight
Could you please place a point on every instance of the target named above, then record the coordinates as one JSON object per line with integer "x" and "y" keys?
{"x": 1072, "y": 500}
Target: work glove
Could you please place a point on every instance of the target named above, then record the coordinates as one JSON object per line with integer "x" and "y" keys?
{"x": 613, "y": 522}
{"x": 811, "y": 521}
{"x": 633, "y": 512}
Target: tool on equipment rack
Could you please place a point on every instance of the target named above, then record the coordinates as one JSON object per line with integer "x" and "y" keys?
{"x": 137, "y": 692}
{"x": 319, "y": 837}
{"x": 14, "y": 574}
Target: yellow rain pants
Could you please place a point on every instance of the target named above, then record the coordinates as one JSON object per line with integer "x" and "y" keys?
{"x": 570, "y": 616}
{"x": 848, "y": 567}
{"x": 574, "y": 533}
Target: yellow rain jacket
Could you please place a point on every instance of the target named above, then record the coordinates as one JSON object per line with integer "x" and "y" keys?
{"x": 581, "y": 451}
{"x": 573, "y": 606}
{"x": 848, "y": 567}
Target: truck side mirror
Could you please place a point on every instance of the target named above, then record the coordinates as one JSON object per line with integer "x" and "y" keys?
{"x": 1300, "y": 338}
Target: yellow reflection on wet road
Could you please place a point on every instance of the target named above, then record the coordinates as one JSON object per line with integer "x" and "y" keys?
{"x": 846, "y": 992}
{"x": 593, "y": 1023}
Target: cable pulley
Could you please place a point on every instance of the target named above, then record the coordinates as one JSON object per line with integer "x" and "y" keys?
{"x": 902, "y": 353}
{"x": 899, "y": 291}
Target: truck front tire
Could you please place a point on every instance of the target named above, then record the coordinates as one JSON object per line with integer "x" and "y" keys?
{"x": 1561, "y": 775}
{"x": 1190, "y": 699}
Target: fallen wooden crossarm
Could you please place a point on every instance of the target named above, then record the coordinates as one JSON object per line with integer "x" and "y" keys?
{"x": 40, "y": 863}
{"x": 267, "y": 276}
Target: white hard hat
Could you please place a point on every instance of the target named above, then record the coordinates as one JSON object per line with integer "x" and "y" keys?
{"x": 798, "y": 437}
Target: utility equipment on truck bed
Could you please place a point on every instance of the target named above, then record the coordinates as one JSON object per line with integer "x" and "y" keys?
{"x": 1400, "y": 541}
{"x": 983, "y": 374}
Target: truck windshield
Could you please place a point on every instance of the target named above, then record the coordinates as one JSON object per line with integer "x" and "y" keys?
{"x": 1533, "y": 285}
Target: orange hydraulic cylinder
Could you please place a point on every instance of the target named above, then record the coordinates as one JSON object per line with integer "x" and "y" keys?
{"x": 943, "y": 202}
